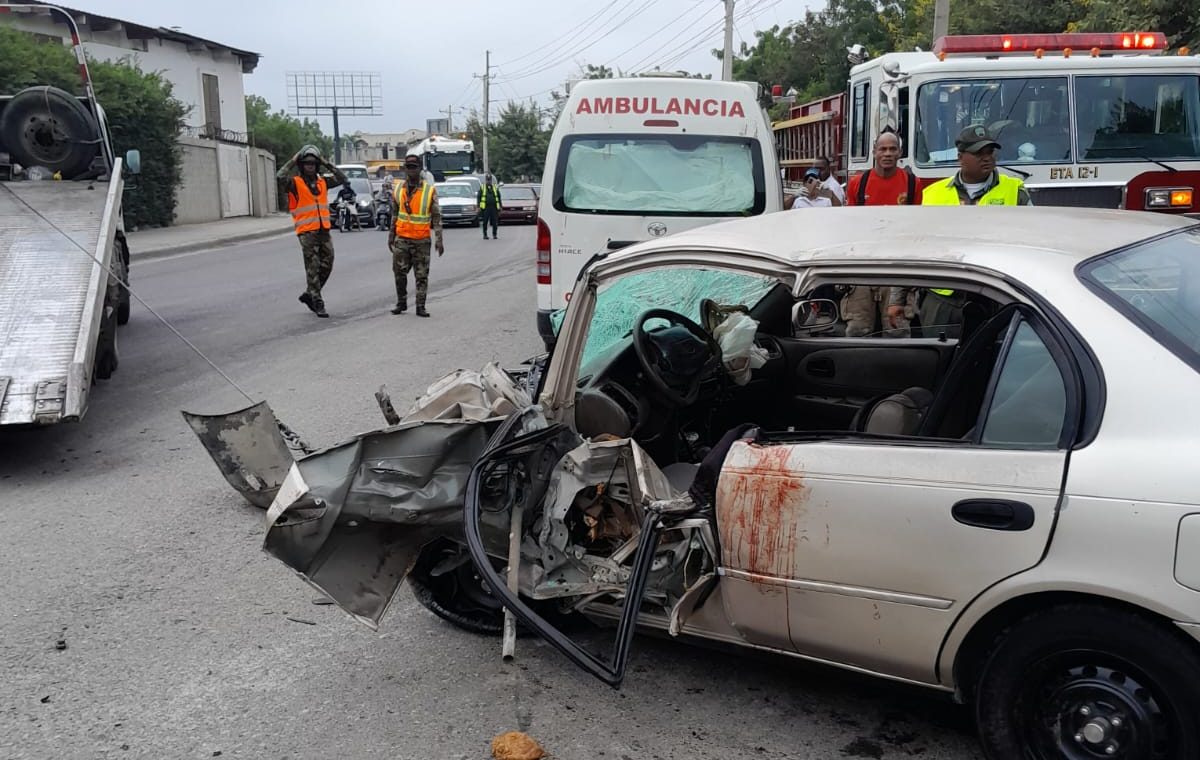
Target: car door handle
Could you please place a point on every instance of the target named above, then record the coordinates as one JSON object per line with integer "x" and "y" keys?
{"x": 994, "y": 514}
{"x": 821, "y": 368}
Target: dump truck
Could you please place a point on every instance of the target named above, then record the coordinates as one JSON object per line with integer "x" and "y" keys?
{"x": 63, "y": 253}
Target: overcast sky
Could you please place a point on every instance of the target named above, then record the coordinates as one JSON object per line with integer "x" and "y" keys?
{"x": 427, "y": 52}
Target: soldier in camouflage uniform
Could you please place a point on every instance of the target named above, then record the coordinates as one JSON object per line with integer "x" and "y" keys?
{"x": 307, "y": 200}
{"x": 417, "y": 217}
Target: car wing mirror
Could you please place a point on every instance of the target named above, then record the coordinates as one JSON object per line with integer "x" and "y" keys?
{"x": 133, "y": 161}
{"x": 814, "y": 315}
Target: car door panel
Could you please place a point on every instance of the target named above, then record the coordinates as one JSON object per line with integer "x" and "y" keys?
{"x": 864, "y": 541}
{"x": 826, "y": 380}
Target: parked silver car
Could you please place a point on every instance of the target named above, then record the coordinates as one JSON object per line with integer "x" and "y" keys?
{"x": 997, "y": 504}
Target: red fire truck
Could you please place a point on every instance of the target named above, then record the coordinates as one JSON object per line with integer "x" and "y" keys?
{"x": 1094, "y": 120}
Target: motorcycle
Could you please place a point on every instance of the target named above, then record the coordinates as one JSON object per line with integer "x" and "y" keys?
{"x": 345, "y": 212}
{"x": 383, "y": 212}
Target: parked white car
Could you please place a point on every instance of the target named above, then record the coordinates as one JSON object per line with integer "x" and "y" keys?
{"x": 1001, "y": 507}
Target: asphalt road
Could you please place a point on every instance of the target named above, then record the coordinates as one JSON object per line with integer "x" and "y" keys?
{"x": 138, "y": 617}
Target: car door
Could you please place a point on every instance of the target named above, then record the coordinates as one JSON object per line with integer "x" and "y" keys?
{"x": 862, "y": 551}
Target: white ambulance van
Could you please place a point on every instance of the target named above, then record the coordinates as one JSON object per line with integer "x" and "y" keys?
{"x": 643, "y": 157}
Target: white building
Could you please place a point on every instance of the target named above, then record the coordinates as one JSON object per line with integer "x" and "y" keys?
{"x": 206, "y": 75}
{"x": 219, "y": 167}
{"x": 381, "y": 145}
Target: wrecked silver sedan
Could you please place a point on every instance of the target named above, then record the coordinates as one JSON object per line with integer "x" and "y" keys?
{"x": 960, "y": 494}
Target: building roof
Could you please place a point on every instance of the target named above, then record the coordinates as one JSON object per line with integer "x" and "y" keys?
{"x": 980, "y": 236}
{"x": 136, "y": 31}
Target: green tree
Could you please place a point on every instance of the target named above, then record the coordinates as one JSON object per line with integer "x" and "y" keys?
{"x": 518, "y": 145}
{"x": 281, "y": 133}
{"x": 142, "y": 113}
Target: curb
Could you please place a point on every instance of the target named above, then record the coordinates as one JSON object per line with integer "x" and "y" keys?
{"x": 200, "y": 245}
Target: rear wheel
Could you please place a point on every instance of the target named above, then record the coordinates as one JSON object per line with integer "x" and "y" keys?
{"x": 1082, "y": 682}
{"x": 123, "y": 304}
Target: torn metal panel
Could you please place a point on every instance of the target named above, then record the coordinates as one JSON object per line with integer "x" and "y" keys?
{"x": 466, "y": 395}
{"x": 248, "y": 449}
{"x": 352, "y": 519}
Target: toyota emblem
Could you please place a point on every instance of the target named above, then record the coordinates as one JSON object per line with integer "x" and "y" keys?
{"x": 657, "y": 229}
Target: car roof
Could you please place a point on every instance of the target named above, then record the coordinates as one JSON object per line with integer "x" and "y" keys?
{"x": 966, "y": 235}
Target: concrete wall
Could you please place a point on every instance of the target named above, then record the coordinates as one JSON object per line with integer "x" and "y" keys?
{"x": 216, "y": 183}
{"x": 198, "y": 198}
{"x": 264, "y": 191}
{"x": 182, "y": 67}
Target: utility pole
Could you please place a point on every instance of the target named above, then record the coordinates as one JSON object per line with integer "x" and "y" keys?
{"x": 487, "y": 79}
{"x": 941, "y": 18}
{"x": 727, "y": 57}
{"x": 449, "y": 111}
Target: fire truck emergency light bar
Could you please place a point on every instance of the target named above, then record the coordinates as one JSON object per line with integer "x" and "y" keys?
{"x": 982, "y": 44}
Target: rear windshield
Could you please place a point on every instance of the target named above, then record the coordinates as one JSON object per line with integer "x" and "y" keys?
{"x": 660, "y": 175}
{"x": 517, "y": 194}
{"x": 455, "y": 191}
{"x": 1157, "y": 285}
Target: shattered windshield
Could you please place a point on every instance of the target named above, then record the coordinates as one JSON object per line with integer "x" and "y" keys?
{"x": 662, "y": 174}
{"x": 681, "y": 290}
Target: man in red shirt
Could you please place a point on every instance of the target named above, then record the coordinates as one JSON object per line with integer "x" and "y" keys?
{"x": 886, "y": 184}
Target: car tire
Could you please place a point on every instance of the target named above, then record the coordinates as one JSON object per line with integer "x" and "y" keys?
{"x": 107, "y": 355}
{"x": 458, "y": 596}
{"x": 48, "y": 127}
{"x": 1072, "y": 681}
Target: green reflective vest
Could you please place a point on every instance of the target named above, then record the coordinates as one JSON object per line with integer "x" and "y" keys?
{"x": 944, "y": 193}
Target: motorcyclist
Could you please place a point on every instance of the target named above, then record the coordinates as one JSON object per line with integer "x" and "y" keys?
{"x": 347, "y": 198}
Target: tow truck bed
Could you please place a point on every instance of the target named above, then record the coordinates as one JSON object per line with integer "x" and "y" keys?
{"x": 52, "y": 296}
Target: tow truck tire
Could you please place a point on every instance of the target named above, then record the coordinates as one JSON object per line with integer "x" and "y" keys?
{"x": 48, "y": 127}
{"x": 123, "y": 304}
{"x": 107, "y": 356}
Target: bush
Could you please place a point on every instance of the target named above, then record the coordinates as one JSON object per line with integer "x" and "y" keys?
{"x": 142, "y": 113}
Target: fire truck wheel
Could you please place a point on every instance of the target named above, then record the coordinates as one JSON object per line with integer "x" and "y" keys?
{"x": 46, "y": 126}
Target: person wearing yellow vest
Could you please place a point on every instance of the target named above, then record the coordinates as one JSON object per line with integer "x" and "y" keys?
{"x": 307, "y": 201}
{"x": 976, "y": 183}
{"x": 416, "y": 216}
{"x": 490, "y": 204}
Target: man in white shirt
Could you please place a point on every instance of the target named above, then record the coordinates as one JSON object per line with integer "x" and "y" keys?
{"x": 821, "y": 188}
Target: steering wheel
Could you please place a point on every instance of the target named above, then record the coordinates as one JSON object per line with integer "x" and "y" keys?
{"x": 677, "y": 359}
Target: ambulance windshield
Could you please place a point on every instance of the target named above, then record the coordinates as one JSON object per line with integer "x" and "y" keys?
{"x": 692, "y": 175}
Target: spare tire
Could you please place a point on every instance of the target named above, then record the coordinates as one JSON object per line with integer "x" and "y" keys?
{"x": 46, "y": 126}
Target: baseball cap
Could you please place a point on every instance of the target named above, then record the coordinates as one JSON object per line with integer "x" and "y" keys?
{"x": 812, "y": 171}
{"x": 412, "y": 160}
{"x": 974, "y": 139}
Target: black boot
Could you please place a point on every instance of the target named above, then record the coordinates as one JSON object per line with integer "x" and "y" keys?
{"x": 421, "y": 311}
{"x": 400, "y": 307}
{"x": 306, "y": 299}
{"x": 319, "y": 307}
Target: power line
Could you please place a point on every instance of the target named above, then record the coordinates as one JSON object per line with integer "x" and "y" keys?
{"x": 571, "y": 41}
{"x": 674, "y": 41}
{"x": 638, "y": 11}
{"x": 614, "y": 59}
{"x": 559, "y": 40}
{"x": 705, "y": 38}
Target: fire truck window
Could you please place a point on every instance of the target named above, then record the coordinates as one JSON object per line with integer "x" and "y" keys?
{"x": 1030, "y": 117}
{"x": 860, "y": 136}
{"x": 1144, "y": 116}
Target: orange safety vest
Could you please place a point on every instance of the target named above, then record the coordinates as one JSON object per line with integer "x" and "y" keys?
{"x": 309, "y": 213}
{"x": 413, "y": 220}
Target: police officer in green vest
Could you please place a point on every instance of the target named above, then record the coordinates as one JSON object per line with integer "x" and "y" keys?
{"x": 489, "y": 206}
{"x": 976, "y": 183}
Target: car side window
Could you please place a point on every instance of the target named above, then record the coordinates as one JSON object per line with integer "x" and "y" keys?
{"x": 1028, "y": 406}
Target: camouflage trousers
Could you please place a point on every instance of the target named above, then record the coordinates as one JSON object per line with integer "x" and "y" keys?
{"x": 865, "y": 310}
{"x": 317, "y": 248}
{"x": 411, "y": 254}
